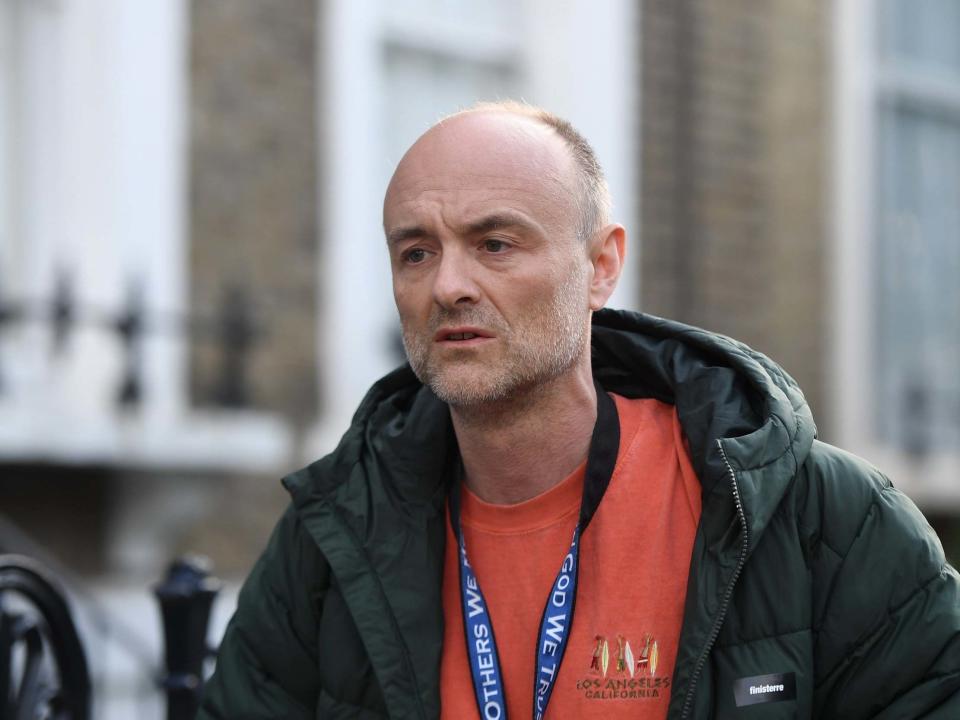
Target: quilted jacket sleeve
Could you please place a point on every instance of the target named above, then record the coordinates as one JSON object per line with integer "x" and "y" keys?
{"x": 888, "y": 638}
{"x": 266, "y": 663}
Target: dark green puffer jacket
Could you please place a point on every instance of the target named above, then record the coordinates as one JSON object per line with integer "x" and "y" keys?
{"x": 807, "y": 561}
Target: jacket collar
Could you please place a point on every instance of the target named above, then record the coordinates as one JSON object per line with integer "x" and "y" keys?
{"x": 731, "y": 400}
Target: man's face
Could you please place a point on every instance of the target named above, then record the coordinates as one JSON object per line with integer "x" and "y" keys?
{"x": 488, "y": 276}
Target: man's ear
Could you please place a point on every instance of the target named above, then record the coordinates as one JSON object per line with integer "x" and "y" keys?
{"x": 606, "y": 256}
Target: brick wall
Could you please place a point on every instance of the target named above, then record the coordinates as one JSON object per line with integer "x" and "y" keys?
{"x": 734, "y": 173}
{"x": 253, "y": 193}
{"x": 253, "y": 229}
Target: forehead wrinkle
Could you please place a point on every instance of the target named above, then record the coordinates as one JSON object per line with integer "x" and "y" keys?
{"x": 491, "y": 189}
{"x": 483, "y": 179}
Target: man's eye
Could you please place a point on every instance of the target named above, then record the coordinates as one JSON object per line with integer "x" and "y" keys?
{"x": 494, "y": 246}
{"x": 414, "y": 256}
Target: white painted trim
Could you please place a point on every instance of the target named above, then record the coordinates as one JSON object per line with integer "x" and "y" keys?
{"x": 930, "y": 481}
{"x": 852, "y": 220}
{"x": 354, "y": 280}
{"x": 9, "y": 63}
{"x": 228, "y": 442}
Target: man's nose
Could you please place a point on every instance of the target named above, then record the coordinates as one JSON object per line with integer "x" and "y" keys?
{"x": 454, "y": 282}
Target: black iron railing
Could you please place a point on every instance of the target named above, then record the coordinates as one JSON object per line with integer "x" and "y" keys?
{"x": 232, "y": 327}
{"x": 43, "y": 666}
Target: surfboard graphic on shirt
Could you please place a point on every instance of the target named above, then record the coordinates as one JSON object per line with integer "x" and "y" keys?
{"x": 628, "y": 653}
{"x": 605, "y": 657}
{"x": 654, "y": 657}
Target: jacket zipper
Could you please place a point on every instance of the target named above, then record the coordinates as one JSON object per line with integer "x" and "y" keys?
{"x": 715, "y": 632}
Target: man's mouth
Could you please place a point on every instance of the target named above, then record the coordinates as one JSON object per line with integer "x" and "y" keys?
{"x": 460, "y": 335}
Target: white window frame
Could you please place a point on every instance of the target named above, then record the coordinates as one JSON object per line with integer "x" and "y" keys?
{"x": 8, "y": 131}
{"x": 597, "y": 88}
{"x": 861, "y": 82}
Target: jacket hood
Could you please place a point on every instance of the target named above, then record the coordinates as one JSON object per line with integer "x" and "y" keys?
{"x": 736, "y": 406}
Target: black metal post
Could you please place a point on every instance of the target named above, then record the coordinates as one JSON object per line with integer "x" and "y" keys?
{"x": 129, "y": 325}
{"x": 186, "y": 596}
{"x": 236, "y": 333}
{"x": 62, "y": 312}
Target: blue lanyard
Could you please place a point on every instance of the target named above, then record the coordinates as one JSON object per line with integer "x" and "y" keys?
{"x": 551, "y": 643}
{"x": 557, "y": 618}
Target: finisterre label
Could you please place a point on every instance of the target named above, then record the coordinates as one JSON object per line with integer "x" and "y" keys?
{"x": 765, "y": 689}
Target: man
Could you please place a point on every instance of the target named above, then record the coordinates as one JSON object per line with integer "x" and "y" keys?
{"x": 579, "y": 512}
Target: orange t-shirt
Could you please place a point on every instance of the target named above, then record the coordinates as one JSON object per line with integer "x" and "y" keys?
{"x": 634, "y": 559}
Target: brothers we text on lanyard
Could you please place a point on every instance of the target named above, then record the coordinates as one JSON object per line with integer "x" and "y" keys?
{"x": 558, "y": 611}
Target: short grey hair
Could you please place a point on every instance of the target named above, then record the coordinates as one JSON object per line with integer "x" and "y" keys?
{"x": 593, "y": 195}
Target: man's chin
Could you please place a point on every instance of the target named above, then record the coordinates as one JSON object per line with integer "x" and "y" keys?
{"x": 468, "y": 389}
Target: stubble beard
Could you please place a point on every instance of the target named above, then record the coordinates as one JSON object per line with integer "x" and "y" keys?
{"x": 544, "y": 348}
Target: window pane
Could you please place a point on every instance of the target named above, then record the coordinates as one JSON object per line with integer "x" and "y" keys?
{"x": 477, "y": 15}
{"x": 423, "y": 86}
{"x": 922, "y": 31}
{"x": 918, "y": 280}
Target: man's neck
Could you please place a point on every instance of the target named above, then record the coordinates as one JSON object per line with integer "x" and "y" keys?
{"x": 524, "y": 445}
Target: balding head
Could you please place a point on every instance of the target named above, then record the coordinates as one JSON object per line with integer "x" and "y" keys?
{"x": 514, "y": 134}
{"x": 593, "y": 195}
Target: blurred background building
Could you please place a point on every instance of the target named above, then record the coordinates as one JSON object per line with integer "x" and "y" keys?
{"x": 194, "y": 293}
